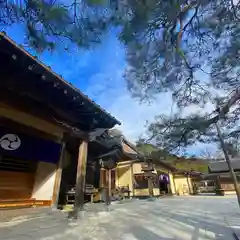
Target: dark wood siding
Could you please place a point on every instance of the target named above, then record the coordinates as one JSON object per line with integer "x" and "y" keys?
{"x": 16, "y": 178}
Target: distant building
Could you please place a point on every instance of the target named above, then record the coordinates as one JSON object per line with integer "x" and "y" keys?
{"x": 219, "y": 172}
{"x": 166, "y": 178}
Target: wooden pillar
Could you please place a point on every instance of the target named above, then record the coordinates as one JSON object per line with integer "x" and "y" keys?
{"x": 150, "y": 186}
{"x": 114, "y": 181}
{"x": 172, "y": 182}
{"x": 102, "y": 183}
{"x": 109, "y": 185}
{"x": 102, "y": 177}
{"x": 81, "y": 175}
{"x": 133, "y": 180}
{"x": 117, "y": 176}
{"x": 189, "y": 184}
{"x": 219, "y": 190}
{"x": 58, "y": 177}
{"x": 218, "y": 182}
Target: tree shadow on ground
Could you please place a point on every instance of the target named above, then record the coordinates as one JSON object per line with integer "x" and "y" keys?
{"x": 216, "y": 228}
{"x": 188, "y": 223}
{"x": 141, "y": 233}
{"x": 37, "y": 227}
{"x": 148, "y": 222}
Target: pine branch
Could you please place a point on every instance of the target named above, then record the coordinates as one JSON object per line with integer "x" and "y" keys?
{"x": 221, "y": 114}
{"x": 234, "y": 11}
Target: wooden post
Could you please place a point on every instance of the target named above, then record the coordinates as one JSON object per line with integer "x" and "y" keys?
{"x": 219, "y": 190}
{"x": 102, "y": 183}
{"x": 172, "y": 178}
{"x": 150, "y": 186}
{"x": 229, "y": 163}
{"x": 106, "y": 188}
{"x": 133, "y": 180}
{"x": 218, "y": 183}
{"x": 117, "y": 176}
{"x": 58, "y": 178}
{"x": 189, "y": 185}
{"x": 102, "y": 171}
{"x": 109, "y": 186}
{"x": 81, "y": 175}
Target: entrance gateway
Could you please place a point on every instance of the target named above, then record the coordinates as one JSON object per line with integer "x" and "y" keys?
{"x": 20, "y": 158}
{"x": 163, "y": 181}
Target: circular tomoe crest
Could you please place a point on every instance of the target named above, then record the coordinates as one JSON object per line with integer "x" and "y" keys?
{"x": 10, "y": 142}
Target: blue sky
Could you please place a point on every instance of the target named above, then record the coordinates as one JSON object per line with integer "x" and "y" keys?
{"x": 98, "y": 74}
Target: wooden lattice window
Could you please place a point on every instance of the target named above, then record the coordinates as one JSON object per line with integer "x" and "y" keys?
{"x": 17, "y": 165}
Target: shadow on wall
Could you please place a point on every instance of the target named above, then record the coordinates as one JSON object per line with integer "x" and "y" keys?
{"x": 44, "y": 181}
{"x": 68, "y": 174}
{"x": 123, "y": 176}
{"x": 196, "y": 223}
{"x": 183, "y": 186}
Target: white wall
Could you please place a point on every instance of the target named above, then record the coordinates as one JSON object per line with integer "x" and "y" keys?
{"x": 44, "y": 181}
{"x": 137, "y": 168}
{"x": 123, "y": 176}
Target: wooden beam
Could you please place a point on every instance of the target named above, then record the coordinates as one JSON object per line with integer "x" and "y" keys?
{"x": 58, "y": 177}
{"x": 80, "y": 180}
{"x": 30, "y": 130}
{"x": 26, "y": 102}
{"x": 29, "y": 104}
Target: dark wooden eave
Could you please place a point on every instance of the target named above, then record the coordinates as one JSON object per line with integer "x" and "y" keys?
{"x": 157, "y": 161}
{"x": 24, "y": 75}
{"x": 222, "y": 166}
{"x": 112, "y": 145}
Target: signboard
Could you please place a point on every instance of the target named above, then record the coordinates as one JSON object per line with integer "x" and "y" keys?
{"x": 28, "y": 147}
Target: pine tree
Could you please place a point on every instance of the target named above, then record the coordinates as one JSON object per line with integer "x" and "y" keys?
{"x": 188, "y": 47}
{"x": 48, "y": 23}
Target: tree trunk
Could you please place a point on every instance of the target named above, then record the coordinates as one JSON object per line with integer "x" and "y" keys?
{"x": 81, "y": 175}
{"x": 232, "y": 173}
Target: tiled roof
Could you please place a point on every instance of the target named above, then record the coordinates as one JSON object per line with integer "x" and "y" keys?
{"x": 69, "y": 94}
{"x": 128, "y": 149}
{"x": 222, "y": 166}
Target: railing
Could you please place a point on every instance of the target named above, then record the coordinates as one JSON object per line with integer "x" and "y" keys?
{"x": 71, "y": 192}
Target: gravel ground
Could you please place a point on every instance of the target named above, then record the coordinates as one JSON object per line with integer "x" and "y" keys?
{"x": 176, "y": 218}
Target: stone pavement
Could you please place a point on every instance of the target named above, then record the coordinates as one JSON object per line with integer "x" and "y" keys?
{"x": 234, "y": 224}
{"x": 232, "y": 217}
{"x": 233, "y": 221}
{"x": 178, "y": 218}
{"x": 16, "y": 214}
